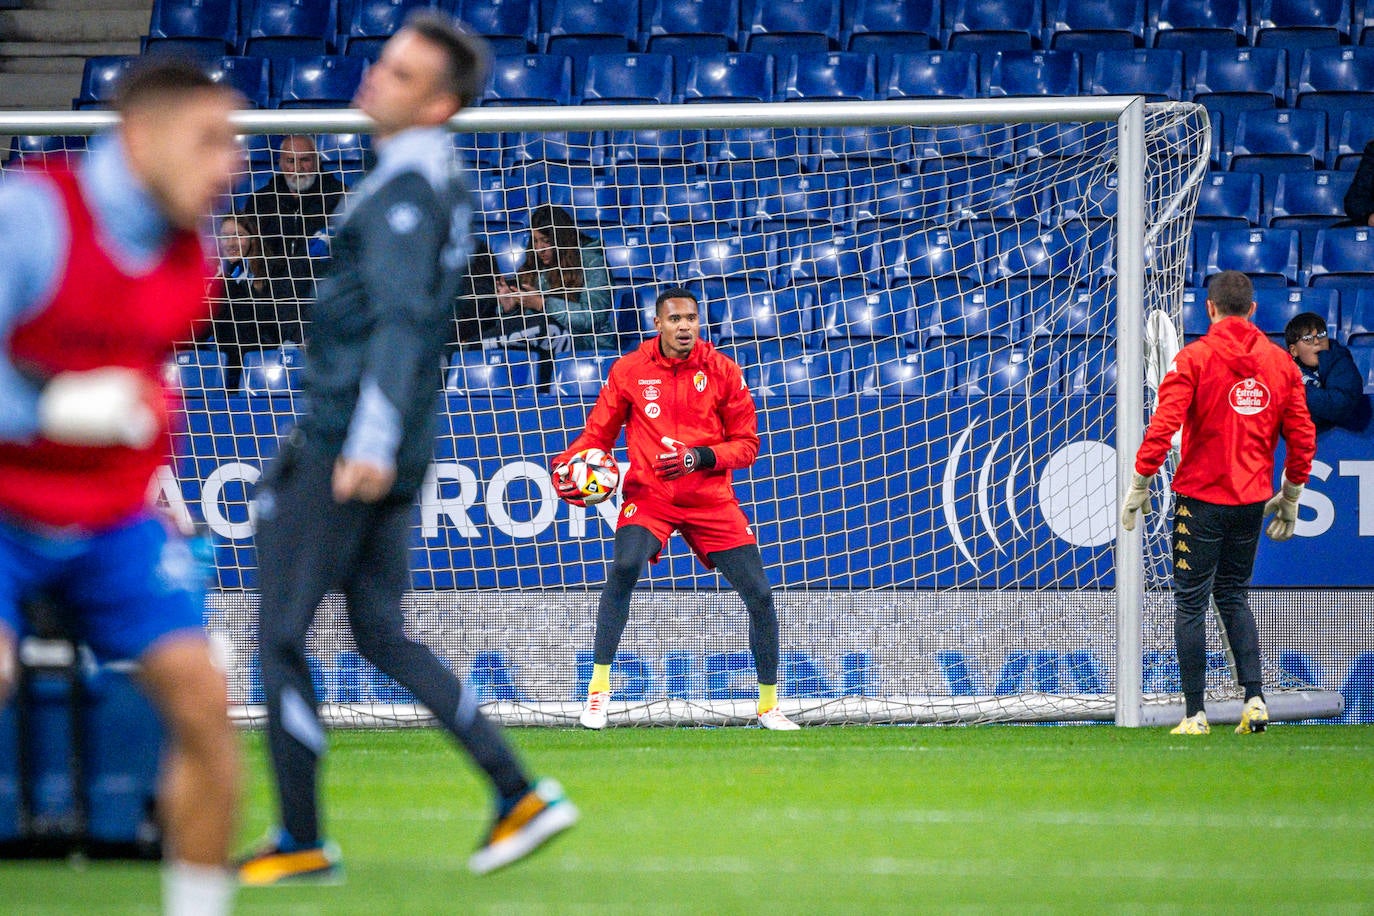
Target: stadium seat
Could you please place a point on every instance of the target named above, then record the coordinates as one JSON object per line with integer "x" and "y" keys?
{"x": 684, "y": 198}
{"x": 849, "y": 310}
{"x": 251, "y": 77}
{"x": 1362, "y": 351}
{"x": 1083, "y": 197}
{"x": 869, "y": 144}
{"x": 320, "y": 82}
{"x": 594, "y": 203}
{"x": 818, "y": 253}
{"x": 730, "y": 78}
{"x": 1280, "y": 140}
{"x": 200, "y": 28}
{"x": 628, "y": 78}
{"x": 1343, "y": 257}
{"x": 1073, "y": 24}
{"x": 1064, "y": 140}
{"x": 716, "y": 19}
{"x": 974, "y": 141}
{"x": 605, "y": 19}
{"x": 99, "y": 79}
{"x": 888, "y": 368}
{"x": 660, "y": 146}
{"x": 508, "y": 249}
{"x": 984, "y": 312}
{"x": 1030, "y": 73}
{"x": 727, "y": 256}
{"x": 1230, "y": 200}
{"x": 272, "y": 372}
{"x": 1182, "y": 24}
{"x": 1357, "y": 317}
{"x": 769, "y": 144}
{"x": 939, "y": 253}
{"x": 794, "y": 26}
{"x": 580, "y": 48}
{"x": 1024, "y": 251}
{"x": 1336, "y": 80}
{"x": 501, "y": 21}
{"x": 41, "y": 149}
{"x": 370, "y": 23}
{"x": 199, "y": 372}
{"x": 1310, "y": 21}
{"x": 1194, "y": 313}
{"x": 638, "y": 253}
{"x": 1268, "y": 256}
{"x": 498, "y": 373}
{"x": 1090, "y": 368}
{"x": 289, "y": 28}
{"x": 582, "y": 375}
{"x": 992, "y": 25}
{"x": 798, "y": 199}
{"x": 1274, "y": 306}
{"x": 753, "y": 312}
{"x": 1064, "y": 311}
{"x": 567, "y": 147}
{"x": 932, "y": 75}
{"x": 1156, "y": 73}
{"x": 1241, "y": 72}
{"x": 1356, "y": 132}
{"x": 529, "y": 79}
{"x": 872, "y": 21}
{"x": 832, "y": 76}
{"x": 1309, "y": 200}
{"x": 802, "y": 373}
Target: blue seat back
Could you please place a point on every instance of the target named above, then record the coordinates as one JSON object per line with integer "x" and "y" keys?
{"x": 1032, "y": 73}
{"x": 309, "y": 81}
{"x": 529, "y": 79}
{"x": 932, "y": 74}
{"x": 1272, "y": 252}
{"x": 730, "y": 77}
{"x": 1153, "y": 72}
{"x": 622, "y": 78}
{"x": 835, "y": 75}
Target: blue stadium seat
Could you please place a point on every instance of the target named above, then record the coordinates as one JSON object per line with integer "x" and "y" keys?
{"x": 605, "y": 19}
{"x": 273, "y": 372}
{"x": 802, "y": 373}
{"x": 345, "y": 152}
{"x": 871, "y": 21}
{"x": 498, "y": 199}
{"x": 730, "y": 78}
{"x": 1025, "y": 251}
{"x": 1034, "y": 73}
{"x": 818, "y": 253}
{"x": 1090, "y": 368}
{"x": 1072, "y": 24}
{"x": 929, "y": 253}
{"x": 1062, "y": 141}
{"x": 501, "y": 21}
{"x": 1156, "y": 73}
{"x": 797, "y": 199}
{"x": 40, "y": 149}
{"x": 99, "y": 80}
{"x": 727, "y": 256}
{"x": 747, "y": 311}
{"x": 1066, "y": 312}
{"x": 870, "y": 144}
{"x": 1194, "y": 313}
{"x": 1312, "y": 21}
{"x": 1336, "y": 80}
{"x": 974, "y": 141}
{"x": 1275, "y": 305}
{"x": 209, "y": 29}
{"x": 1357, "y": 317}
{"x": 638, "y": 253}
{"x": 594, "y": 203}
{"x": 770, "y": 144}
{"x": 1183, "y": 24}
{"x": 999, "y": 372}
{"x": 1230, "y": 200}
{"x": 907, "y": 198}
{"x": 628, "y": 78}
{"x": 831, "y": 76}
{"x": 1309, "y": 200}
{"x": 370, "y": 23}
{"x": 495, "y": 373}
{"x": 1343, "y": 257}
{"x": 289, "y": 28}
{"x": 992, "y": 25}
{"x": 717, "y": 19}
{"x": 1083, "y": 197}
{"x": 250, "y": 76}
{"x": 794, "y": 26}
{"x": 685, "y": 198}
{"x": 582, "y": 375}
{"x": 932, "y": 75}
{"x": 684, "y": 50}
{"x": 508, "y": 249}
{"x": 529, "y": 79}
{"x": 888, "y": 368}
{"x": 660, "y": 146}
{"x": 1268, "y": 256}
{"x": 1362, "y": 351}
{"x": 849, "y": 310}
{"x": 984, "y": 312}
{"x": 568, "y": 147}
{"x": 1241, "y": 71}
{"x": 1279, "y": 140}
{"x": 320, "y": 82}
{"x": 200, "y": 372}
{"x": 1356, "y": 132}
{"x": 580, "y": 48}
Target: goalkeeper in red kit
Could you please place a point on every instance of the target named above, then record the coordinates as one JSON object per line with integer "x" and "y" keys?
{"x": 689, "y": 421}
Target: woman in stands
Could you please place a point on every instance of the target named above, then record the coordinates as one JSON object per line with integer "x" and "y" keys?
{"x": 253, "y": 309}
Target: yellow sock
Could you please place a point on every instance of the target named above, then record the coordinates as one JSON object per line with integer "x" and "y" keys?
{"x": 601, "y": 679}
{"x": 768, "y": 697}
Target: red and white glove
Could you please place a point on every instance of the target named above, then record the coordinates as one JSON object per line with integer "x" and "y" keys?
{"x": 682, "y": 459}
{"x": 563, "y": 483}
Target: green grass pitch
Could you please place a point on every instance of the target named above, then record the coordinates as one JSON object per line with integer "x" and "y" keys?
{"x": 827, "y": 820}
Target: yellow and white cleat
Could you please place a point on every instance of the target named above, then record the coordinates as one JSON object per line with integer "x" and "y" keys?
{"x": 594, "y": 713}
{"x": 268, "y": 865}
{"x": 540, "y": 815}
{"x": 1192, "y": 725}
{"x": 774, "y": 720}
{"x": 1254, "y": 718}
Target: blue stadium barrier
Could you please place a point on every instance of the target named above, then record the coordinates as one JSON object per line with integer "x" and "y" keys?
{"x": 730, "y": 676}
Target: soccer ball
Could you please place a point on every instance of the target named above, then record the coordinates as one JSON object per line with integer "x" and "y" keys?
{"x": 595, "y": 474}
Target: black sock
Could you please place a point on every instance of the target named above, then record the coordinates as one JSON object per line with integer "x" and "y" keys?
{"x": 1253, "y": 690}
{"x": 1192, "y": 704}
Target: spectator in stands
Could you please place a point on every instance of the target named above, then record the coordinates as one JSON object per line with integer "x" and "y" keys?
{"x": 1359, "y": 200}
{"x": 293, "y": 211}
{"x": 562, "y": 292}
{"x": 253, "y": 310}
{"x": 1335, "y": 391}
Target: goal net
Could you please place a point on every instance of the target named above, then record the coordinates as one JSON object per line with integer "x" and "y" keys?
{"x": 940, "y": 311}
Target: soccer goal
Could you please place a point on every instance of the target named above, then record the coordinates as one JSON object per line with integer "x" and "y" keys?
{"x": 943, "y": 309}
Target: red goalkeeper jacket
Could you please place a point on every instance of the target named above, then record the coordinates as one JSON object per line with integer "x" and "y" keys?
{"x": 700, "y": 400}
{"x": 1233, "y": 393}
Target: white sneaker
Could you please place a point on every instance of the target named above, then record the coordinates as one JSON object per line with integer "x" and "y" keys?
{"x": 774, "y": 720}
{"x": 594, "y": 713}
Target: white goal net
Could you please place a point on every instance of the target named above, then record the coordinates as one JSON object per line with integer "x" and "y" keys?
{"x": 939, "y": 309}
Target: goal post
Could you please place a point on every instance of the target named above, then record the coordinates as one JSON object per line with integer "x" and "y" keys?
{"x": 940, "y": 309}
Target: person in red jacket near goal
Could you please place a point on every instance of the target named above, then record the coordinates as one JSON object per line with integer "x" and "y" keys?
{"x": 1233, "y": 393}
{"x": 689, "y": 421}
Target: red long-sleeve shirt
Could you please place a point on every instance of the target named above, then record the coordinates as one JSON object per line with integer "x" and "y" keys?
{"x": 700, "y": 400}
{"x": 1234, "y": 393}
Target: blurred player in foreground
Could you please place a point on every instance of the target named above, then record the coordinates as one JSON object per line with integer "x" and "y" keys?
{"x": 689, "y": 421}
{"x": 334, "y": 510}
{"x": 1234, "y": 394}
{"x": 101, "y": 271}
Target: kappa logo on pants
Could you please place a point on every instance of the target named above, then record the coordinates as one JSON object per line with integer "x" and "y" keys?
{"x": 1183, "y": 564}
{"x": 1183, "y": 547}
{"x": 1182, "y": 529}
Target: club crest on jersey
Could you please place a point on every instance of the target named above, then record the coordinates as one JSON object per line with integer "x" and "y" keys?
{"x": 652, "y": 410}
{"x": 629, "y": 510}
{"x": 1249, "y": 397}
{"x": 651, "y": 393}
{"x": 699, "y": 381}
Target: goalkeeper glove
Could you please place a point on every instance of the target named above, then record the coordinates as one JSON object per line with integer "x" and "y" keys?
{"x": 1284, "y": 507}
{"x": 683, "y": 459}
{"x": 1137, "y": 500}
{"x": 100, "y": 407}
{"x": 563, "y": 483}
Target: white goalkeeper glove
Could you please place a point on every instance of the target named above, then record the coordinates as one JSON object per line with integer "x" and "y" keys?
{"x": 100, "y": 407}
{"x": 1137, "y": 500}
{"x": 1284, "y": 507}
